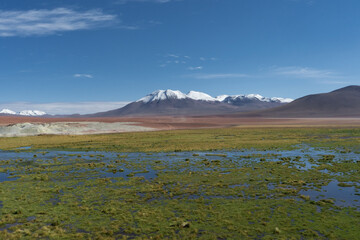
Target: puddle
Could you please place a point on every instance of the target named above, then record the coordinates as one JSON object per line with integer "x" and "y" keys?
{"x": 6, "y": 177}
{"x": 126, "y": 173}
{"x": 342, "y": 196}
{"x": 24, "y": 148}
{"x": 239, "y": 185}
{"x": 7, "y": 226}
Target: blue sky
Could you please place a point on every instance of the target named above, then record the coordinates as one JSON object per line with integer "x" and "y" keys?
{"x": 113, "y": 51}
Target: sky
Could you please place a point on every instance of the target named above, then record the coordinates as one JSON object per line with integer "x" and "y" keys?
{"x": 68, "y": 56}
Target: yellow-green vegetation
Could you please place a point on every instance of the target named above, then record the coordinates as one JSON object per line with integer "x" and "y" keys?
{"x": 226, "y": 195}
{"x": 190, "y": 140}
{"x": 268, "y": 184}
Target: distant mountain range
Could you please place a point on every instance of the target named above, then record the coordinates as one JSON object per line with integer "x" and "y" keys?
{"x": 344, "y": 102}
{"x": 160, "y": 95}
{"x": 23, "y": 113}
{"x": 175, "y": 103}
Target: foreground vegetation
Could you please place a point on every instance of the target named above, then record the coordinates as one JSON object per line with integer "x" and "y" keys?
{"x": 192, "y": 140}
{"x": 283, "y": 192}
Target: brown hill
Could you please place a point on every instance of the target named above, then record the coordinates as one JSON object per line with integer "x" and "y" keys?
{"x": 344, "y": 102}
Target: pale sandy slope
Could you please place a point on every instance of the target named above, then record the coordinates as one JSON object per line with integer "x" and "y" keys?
{"x": 68, "y": 128}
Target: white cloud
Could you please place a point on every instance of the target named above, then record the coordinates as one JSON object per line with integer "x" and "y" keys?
{"x": 219, "y": 76}
{"x": 173, "y": 55}
{"x": 154, "y": 22}
{"x": 81, "y": 75}
{"x": 305, "y": 72}
{"x": 207, "y": 59}
{"x": 150, "y": 1}
{"x": 336, "y": 82}
{"x": 191, "y": 63}
{"x": 129, "y": 27}
{"x": 64, "y": 107}
{"x": 195, "y": 68}
{"x": 46, "y": 22}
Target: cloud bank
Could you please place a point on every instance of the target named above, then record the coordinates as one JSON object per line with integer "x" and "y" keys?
{"x": 46, "y": 22}
{"x": 60, "y": 108}
{"x": 305, "y": 72}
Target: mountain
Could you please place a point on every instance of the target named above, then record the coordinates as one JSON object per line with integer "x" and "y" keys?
{"x": 175, "y": 103}
{"x": 253, "y": 101}
{"x": 7, "y": 111}
{"x": 200, "y": 96}
{"x": 33, "y": 113}
{"x": 344, "y": 102}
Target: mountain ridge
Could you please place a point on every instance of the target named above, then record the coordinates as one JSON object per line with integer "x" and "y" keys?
{"x": 159, "y": 95}
{"x": 343, "y": 102}
{"x": 175, "y": 103}
{"x": 33, "y": 113}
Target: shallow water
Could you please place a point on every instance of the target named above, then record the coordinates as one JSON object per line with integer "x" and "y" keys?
{"x": 144, "y": 165}
{"x": 343, "y": 196}
{"x": 6, "y": 177}
{"x": 24, "y": 148}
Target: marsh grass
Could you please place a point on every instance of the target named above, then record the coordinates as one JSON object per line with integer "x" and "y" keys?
{"x": 206, "y": 196}
{"x": 194, "y": 140}
{"x": 242, "y": 194}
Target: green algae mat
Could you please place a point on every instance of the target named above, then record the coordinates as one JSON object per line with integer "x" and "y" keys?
{"x": 269, "y": 184}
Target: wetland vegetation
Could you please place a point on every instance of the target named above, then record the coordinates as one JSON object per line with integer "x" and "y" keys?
{"x": 193, "y": 140}
{"x": 263, "y": 183}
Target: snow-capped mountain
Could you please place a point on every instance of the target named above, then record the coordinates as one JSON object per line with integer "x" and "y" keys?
{"x": 174, "y": 103}
{"x": 32, "y": 113}
{"x": 7, "y": 111}
{"x": 200, "y": 96}
{"x": 241, "y": 98}
{"x": 162, "y": 95}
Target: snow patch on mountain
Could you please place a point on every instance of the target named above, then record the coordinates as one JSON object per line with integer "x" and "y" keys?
{"x": 200, "y": 96}
{"x": 234, "y": 98}
{"x": 256, "y": 96}
{"x": 282, "y": 100}
{"x": 162, "y": 95}
{"x": 7, "y": 111}
{"x": 32, "y": 113}
{"x": 221, "y": 98}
